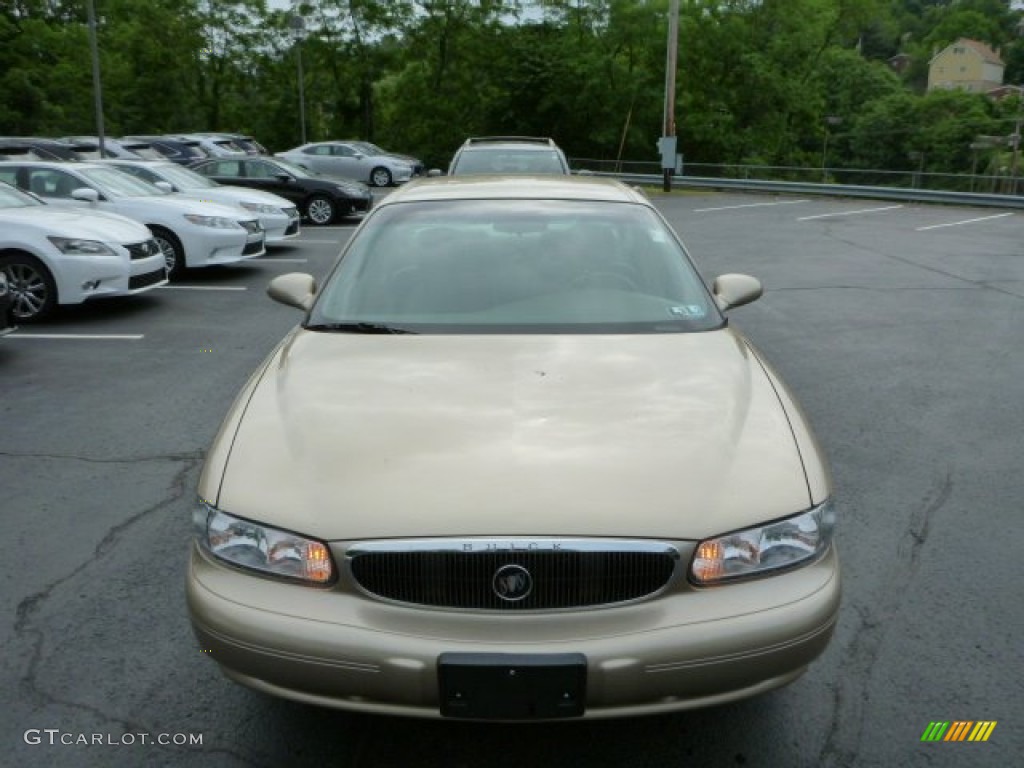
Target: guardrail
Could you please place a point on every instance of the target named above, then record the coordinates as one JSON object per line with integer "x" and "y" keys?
{"x": 835, "y": 190}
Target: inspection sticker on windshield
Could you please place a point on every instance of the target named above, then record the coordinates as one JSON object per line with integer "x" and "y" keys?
{"x": 688, "y": 310}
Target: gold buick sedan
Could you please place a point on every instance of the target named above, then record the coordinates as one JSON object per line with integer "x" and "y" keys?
{"x": 514, "y": 464}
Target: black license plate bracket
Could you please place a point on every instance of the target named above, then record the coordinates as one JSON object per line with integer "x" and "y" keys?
{"x": 512, "y": 686}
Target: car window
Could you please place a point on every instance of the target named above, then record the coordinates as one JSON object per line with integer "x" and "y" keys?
{"x": 9, "y": 175}
{"x": 342, "y": 150}
{"x": 505, "y": 161}
{"x": 320, "y": 150}
{"x": 47, "y": 182}
{"x": 533, "y": 267}
{"x": 260, "y": 170}
{"x": 232, "y": 168}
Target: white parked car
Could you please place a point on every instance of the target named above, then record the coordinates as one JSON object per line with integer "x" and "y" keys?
{"x": 353, "y": 160}
{"x": 190, "y": 233}
{"x": 279, "y": 217}
{"x": 51, "y": 255}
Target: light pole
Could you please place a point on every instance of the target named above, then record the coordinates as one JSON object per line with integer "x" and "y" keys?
{"x": 97, "y": 85}
{"x": 297, "y": 25}
{"x": 830, "y": 121}
{"x": 667, "y": 145}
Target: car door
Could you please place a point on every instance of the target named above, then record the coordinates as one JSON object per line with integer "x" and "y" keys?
{"x": 224, "y": 172}
{"x": 268, "y": 176}
{"x": 315, "y": 158}
{"x": 347, "y": 161}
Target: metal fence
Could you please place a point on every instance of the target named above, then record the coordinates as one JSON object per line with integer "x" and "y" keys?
{"x": 908, "y": 179}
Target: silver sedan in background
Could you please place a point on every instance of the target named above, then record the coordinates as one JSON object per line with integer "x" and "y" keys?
{"x": 353, "y": 160}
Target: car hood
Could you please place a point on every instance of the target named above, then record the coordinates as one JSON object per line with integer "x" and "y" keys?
{"x": 676, "y": 436}
{"x": 234, "y": 195}
{"x": 176, "y": 202}
{"x": 73, "y": 222}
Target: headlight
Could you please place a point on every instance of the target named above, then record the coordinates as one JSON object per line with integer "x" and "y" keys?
{"x": 74, "y": 247}
{"x": 260, "y": 208}
{"x": 757, "y": 551}
{"x": 261, "y": 547}
{"x": 219, "y": 222}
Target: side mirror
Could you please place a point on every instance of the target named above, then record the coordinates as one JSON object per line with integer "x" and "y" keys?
{"x": 295, "y": 289}
{"x": 735, "y": 290}
{"x": 164, "y": 185}
{"x": 85, "y": 194}
{"x": 283, "y": 177}
{"x": 435, "y": 172}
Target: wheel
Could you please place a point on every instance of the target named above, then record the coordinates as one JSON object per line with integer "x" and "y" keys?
{"x": 33, "y": 290}
{"x": 380, "y": 177}
{"x": 174, "y": 254}
{"x": 320, "y": 210}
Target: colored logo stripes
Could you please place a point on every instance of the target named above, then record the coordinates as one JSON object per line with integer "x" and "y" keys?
{"x": 959, "y": 730}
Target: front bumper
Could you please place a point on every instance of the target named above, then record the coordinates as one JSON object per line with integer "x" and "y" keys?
{"x": 682, "y": 650}
{"x": 280, "y": 227}
{"x": 208, "y": 246}
{"x": 83, "y": 278}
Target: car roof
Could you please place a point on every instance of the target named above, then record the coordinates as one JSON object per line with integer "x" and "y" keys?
{"x": 546, "y": 187}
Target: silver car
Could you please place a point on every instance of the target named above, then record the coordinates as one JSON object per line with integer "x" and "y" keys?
{"x": 354, "y": 160}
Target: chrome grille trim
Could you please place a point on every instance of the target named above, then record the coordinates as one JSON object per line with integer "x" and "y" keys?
{"x": 458, "y": 574}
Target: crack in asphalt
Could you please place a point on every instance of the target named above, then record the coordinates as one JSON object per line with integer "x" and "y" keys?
{"x": 982, "y": 284}
{"x": 30, "y": 605}
{"x": 189, "y": 456}
{"x": 850, "y": 696}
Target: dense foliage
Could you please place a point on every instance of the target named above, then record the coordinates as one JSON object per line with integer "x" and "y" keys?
{"x": 781, "y": 82}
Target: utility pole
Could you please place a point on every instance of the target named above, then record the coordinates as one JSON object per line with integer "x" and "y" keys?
{"x": 97, "y": 85}
{"x": 667, "y": 145}
{"x": 298, "y": 29}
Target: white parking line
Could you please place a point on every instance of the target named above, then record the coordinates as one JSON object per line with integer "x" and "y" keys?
{"x": 319, "y": 242}
{"x": 749, "y": 205}
{"x": 850, "y": 213}
{"x": 206, "y": 287}
{"x": 346, "y": 226}
{"x": 77, "y": 336}
{"x": 280, "y": 261}
{"x": 965, "y": 221}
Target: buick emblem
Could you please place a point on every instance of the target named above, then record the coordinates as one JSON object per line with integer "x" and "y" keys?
{"x": 512, "y": 583}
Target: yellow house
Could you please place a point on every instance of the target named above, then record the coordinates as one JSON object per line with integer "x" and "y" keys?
{"x": 968, "y": 65}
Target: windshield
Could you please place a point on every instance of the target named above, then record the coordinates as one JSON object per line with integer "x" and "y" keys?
{"x": 115, "y": 183}
{"x": 183, "y": 178}
{"x": 13, "y": 198}
{"x": 506, "y": 161}
{"x": 295, "y": 170}
{"x": 516, "y": 266}
{"x": 143, "y": 150}
{"x": 368, "y": 149}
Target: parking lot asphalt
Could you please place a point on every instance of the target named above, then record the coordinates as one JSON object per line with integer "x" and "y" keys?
{"x": 897, "y": 327}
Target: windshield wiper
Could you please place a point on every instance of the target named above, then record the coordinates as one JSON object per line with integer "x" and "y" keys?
{"x": 357, "y": 328}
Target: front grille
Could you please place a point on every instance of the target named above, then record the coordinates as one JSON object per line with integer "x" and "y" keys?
{"x": 252, "y": 248}
{"x": 149, "y": 278}
{"x": 252, "y": 227}
{"x": 560, "y": 574}
{"x": 143, "y": 250}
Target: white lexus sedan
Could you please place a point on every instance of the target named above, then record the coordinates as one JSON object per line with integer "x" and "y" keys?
{"x": 51, "y": 256}
{"x": 279, "y": 217}
{"x": 190, "y": 233}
